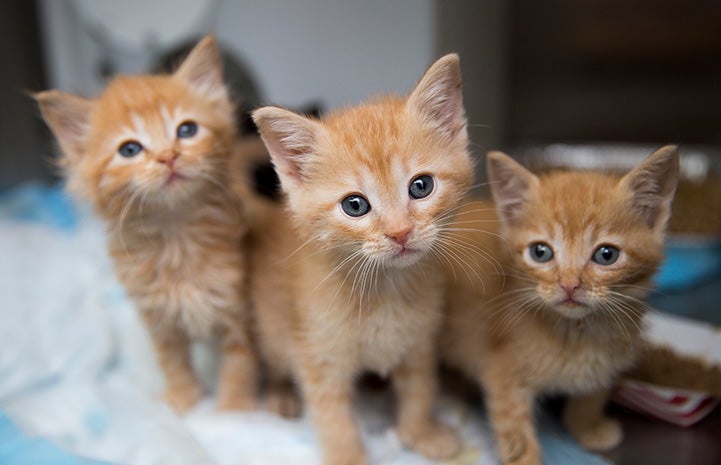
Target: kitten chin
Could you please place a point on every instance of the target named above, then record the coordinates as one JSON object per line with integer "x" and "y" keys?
{"x": 404, "y": 258}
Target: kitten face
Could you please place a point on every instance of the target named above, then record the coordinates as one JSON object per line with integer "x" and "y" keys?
{"x": 146, "y": 139}
{"x": 588, "y": 242}
{"x": 578, "y": 250}
{"x": 376, "y": 181}
{"x": 154, "y": 138}
{"x": 380, "y": 188}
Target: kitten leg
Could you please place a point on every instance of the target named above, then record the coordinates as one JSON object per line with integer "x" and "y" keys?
{"x": 172, "y": 346}
{"x": 585, "y": 420}
{"x": 328, "y": 393}
{"x": 237, "y": 381}
{"x": 415, "y": 382}
{"x": 510, "y": 407}
{"x": 282, "y": 398}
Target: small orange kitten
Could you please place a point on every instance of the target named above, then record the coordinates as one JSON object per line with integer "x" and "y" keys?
{"x": 579, "y": 252}
{"x": 151, "y": 154}
{"x": 370, "y": 191}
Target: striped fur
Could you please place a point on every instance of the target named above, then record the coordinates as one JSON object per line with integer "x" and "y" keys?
{"x": 174, "y": 230}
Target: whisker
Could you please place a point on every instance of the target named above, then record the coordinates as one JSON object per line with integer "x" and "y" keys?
{"x": 471, "y": 248}
{"x": 123, "y": 217}
{"x": 463, "y": 263}
{"x": 337, "y": 267}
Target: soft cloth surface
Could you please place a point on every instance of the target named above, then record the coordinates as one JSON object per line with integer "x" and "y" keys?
{"x": 78, "y": 374}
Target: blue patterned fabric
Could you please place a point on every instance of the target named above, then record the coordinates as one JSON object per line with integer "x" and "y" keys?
{"x": 16, "y": 448}
{"x": 77, "y": 370}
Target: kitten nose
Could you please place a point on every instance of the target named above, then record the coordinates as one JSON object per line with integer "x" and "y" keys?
{"x": 168, "y": 157}
{"x": 400, "y": 236}
{"x": 570, "y": 288}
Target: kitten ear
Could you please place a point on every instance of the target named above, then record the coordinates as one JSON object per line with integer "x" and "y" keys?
{"x": 202, "y": 69}
{"x": 438, "y": 96}
{"x": 68, "y": 117}
{"x": 652, "y": 185}
{"x": 290, "y": 139}
{"x": 510, "y": 183}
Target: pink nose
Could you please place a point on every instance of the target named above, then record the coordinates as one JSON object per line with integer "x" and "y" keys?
{"x": 401, "y": 236}
{"x": 569, "y": 289}
{"x": 168, "y": 158}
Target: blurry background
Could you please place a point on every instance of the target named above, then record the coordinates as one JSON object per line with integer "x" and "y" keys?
{"x": 583, "y": 83}
{"x": 295, "y": 53}
{"x": 536, "y": 73}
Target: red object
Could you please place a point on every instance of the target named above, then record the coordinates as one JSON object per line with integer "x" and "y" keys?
{"x": 675, "y": 406}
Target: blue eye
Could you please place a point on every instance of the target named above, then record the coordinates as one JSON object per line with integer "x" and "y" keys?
{"x": 130, "y": 148}
{"x": 606, "y": 255}
{"x": 420, "y": 187}
{"x": 355, "y": 205}
{"x": 187, "y": 129}
{"x": 541, "y": 252}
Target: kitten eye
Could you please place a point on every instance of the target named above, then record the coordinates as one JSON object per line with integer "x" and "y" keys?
{"x": 421, "y": 187}
{"x": 541, "y": 252}
{"x": 606, "y": 255}
{"x": 130, "y": 148}
{"x": 355, "y": 205}
{"x": 187, "y": 129}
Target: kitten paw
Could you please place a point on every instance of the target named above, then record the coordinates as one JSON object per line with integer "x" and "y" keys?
{"x": 345, "y": 457}
{"x": 437, "y": 442}
{"x": 182, "y": 399}
{"x": 525, "y": 460}
{"x": 229, "y": 402}
{"x": 284, "y": 402}
{"x": 515, "y": 449}
{"x": 602, "y": 436}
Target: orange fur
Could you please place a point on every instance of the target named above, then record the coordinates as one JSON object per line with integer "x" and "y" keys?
{"x": 568, "y": 325}
{"x": 174, "y": 227}
{"x": 364, "y": 293}
{"x": 665, "y": 367}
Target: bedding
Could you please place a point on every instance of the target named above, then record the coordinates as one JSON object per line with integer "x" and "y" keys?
{"x": 79, "y": 383}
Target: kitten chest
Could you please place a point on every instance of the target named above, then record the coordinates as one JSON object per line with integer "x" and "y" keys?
{"x": 190, "y": 275}
{"x": 582, "y": 366}
{"x": 399, "y": 324}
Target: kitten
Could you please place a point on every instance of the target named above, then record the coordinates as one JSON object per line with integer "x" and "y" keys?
{"x": 151, "y": 154}
{"x": 369, "y": 192}
{"x": 579, "y": 250}
{"x": 269, "y": 244}
{"x": 663, "y": 366}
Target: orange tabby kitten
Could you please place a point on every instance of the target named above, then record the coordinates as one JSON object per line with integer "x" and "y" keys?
{"x": 579, "y": 252}
{"x": 269, "y": 243}
{"x": 151, "y": 154}
{"x": 370, "y": 190}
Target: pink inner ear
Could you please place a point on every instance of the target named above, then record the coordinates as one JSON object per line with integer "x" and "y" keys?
{"x": 652, "y": 187}
{"x": 68, "y": 117}
{"x": 287, "y": 160}
{"x": 290, "y": 139}
{"x": 510, "y": 183}
{"x": 202, "y": 70}
{"x": 442, "y": 104}
{"x": 438, "y": 96}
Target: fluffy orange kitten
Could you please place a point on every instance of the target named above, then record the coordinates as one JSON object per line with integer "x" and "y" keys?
{"x": 579, "y": 250}
{"x": 151, "y": 154}
{"x": 369, "y": 192}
